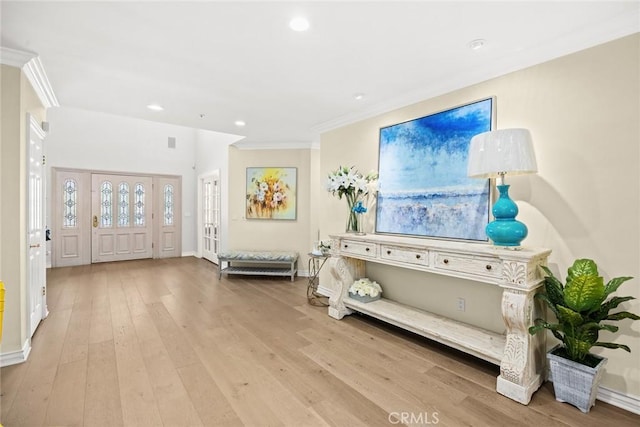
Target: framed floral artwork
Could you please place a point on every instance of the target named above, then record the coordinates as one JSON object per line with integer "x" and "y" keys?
{"x": 424, "y": 189}
{"x": 271, "y": 193}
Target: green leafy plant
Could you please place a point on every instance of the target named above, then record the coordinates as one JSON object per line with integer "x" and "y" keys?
{"x": 581, "y": 306}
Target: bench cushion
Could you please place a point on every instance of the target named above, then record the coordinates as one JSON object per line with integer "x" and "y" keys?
{"x": 238, "y": 255}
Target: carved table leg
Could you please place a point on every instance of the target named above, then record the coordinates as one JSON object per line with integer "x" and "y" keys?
{"x": 344, "y": 272}
{"x": 523, "y": 360}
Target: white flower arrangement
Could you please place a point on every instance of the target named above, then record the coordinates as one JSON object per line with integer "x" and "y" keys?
{"x": 365, "y": 287}
{"x": 347, "y": 181}
{"x": 355, "y": 187}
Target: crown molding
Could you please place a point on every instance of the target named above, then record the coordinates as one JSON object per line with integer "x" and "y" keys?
{"x": 315, "y": 144}
{"x": 615, "y": 28}
{"x": 15, "y": 58}
{"x": 38, "y": 78}
{"x": 32, "y": 67}
{"x": 290, "y": 145}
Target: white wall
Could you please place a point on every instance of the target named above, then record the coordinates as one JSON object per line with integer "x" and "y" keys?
{"x": 212, "y": 153}
{"x": 96, "y": 141}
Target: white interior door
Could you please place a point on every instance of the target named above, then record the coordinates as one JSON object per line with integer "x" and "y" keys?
{"x": 36, "y": 247}
{"x": 121, "y": 212}
{"x": 169, "y": 218}
{"x": 210, "y": 215}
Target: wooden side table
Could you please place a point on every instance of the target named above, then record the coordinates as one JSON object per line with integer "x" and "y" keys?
{"x": 316, "y": 262}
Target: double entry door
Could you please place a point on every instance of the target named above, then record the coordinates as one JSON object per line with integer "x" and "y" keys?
{"x": 101, "y": 217}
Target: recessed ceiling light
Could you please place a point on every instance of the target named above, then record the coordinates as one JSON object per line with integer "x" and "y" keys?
{"x": 155, "y": 107}
{"x": 477, "y": 44}
{"x": 299, "y": 24}
{"x": 239, "y": 123}
{"x": 358, "y": 96}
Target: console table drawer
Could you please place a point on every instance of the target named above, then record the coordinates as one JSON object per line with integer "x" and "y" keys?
{"x": 408, "y": 255}
{"x": 472, "y": 265}
{"x": 359, "y": 248}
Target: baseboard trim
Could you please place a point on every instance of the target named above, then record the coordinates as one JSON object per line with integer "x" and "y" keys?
{"x": 14, "y": 357}
{"x": 623, "y": 401}
{"x": 325, "y": 291}
{"x": 190, "y": 253}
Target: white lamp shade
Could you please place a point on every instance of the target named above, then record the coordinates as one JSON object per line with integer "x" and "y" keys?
{"x": 504, "y": 151}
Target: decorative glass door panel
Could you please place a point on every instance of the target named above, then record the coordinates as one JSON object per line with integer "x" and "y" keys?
{"x": 121, "y": 217}
{"x": 169, "y": 224}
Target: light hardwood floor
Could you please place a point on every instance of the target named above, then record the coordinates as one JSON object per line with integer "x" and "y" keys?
{"x": 164, "y": 342}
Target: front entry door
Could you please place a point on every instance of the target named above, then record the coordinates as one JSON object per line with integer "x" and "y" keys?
{"x": 36, "y": 250}
{"x": 121, "y": 217}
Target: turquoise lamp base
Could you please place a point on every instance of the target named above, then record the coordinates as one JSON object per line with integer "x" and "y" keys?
{"x": 506, "y": 230}
{"x": 506, "y": 233}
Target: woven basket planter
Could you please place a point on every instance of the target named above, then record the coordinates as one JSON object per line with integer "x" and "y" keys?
{"x": 573, "y": 382}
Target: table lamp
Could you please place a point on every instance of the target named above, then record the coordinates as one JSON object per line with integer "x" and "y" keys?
{"x": 495, "y": 154}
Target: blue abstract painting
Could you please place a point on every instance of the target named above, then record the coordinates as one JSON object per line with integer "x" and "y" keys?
{"x": 423, "y": 185}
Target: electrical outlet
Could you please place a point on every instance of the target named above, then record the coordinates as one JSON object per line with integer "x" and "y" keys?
{"x": 460, "y": 304}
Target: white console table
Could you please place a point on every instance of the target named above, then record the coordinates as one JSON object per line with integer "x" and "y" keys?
{"x": 521, "y": 356}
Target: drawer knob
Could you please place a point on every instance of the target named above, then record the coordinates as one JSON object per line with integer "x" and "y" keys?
{"x": 366, "y": 249}
{"x": 346, "y": 246}
{"x": 488, "y": 267}
{"x": 446, "y": 261}
{"x": 388, "y": 252}
{"x": 418, "y": 256}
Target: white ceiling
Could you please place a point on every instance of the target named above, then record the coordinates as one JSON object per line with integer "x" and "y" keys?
{"x": 239, "y": 60}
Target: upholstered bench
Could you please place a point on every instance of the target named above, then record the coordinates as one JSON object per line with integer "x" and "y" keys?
{"x": 287, "y": 262}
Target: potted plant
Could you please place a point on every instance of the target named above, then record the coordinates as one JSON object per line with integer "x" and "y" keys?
{"x": 581, "y": 307}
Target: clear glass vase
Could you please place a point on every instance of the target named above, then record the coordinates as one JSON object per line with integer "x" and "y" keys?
{"x": 352, "y": 219}
{"x": 352, "y": 222}
{"x": 355, "y": 220}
